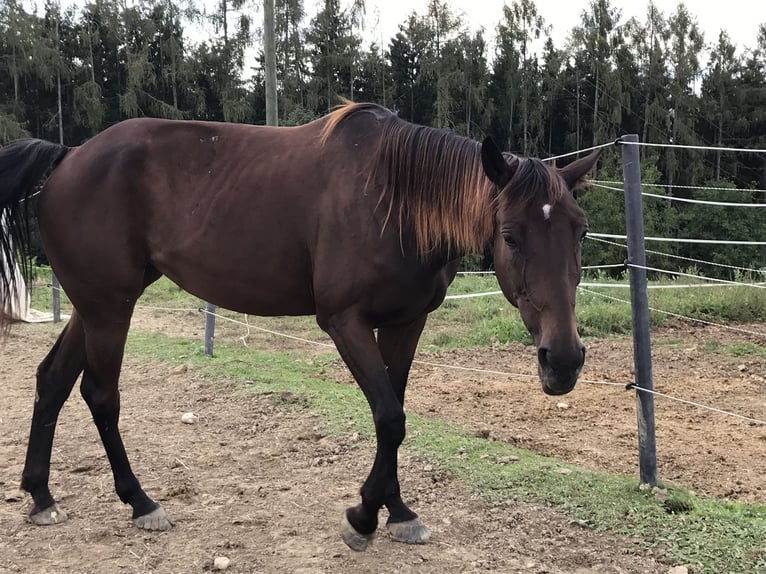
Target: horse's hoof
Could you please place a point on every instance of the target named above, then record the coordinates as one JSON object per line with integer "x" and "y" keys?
{"x": 352, "y": 538}
{"x": 410, "y": 532}
{"x": 157, "y": 519}
{"x": 51, "y": 515}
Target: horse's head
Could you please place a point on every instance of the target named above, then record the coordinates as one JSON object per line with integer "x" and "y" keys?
{"x": 539, "y": 229}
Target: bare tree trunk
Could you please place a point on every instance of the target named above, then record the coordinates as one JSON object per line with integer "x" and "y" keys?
{"x": 719, "y": 143}
{"x": 595, "y": 109}
{"x": 412, "y": 102}
{"x": 225, "y": 14}
{"x": 510, "y": 122}
{"x": 383, "y": 84}
{"x": 173, "y": 83}
{"x": 577, "y": 127}
{"x": 469, "y": 109}
{"x": 524, "y": 105}
{"x": 58, "y": 85}
{"x": 646, "y": 126}
{"x": 15, "y": 77}
{"x": 173, "y": 72}
{"x": 90, "y": 49}
{"x": 270, "y": 56}
{"x": 285, "y": 60}
{"x": 550, "y": 126}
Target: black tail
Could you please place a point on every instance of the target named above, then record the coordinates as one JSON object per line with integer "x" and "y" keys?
{"x": 23, "y": 165}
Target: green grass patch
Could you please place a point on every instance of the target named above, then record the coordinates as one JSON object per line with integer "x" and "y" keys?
{"x": 674, "y": 342}
{"x": 710, "y": 535}
{"x": 737, "y": 350}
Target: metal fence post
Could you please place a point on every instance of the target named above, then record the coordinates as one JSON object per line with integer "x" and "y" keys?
{"x": 209, "y": 329}
{"x": 56, "y": 298}
{"x": 639, "y": 305}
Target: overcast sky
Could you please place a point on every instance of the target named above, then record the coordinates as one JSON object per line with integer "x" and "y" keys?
{"x": 738, "y": 17}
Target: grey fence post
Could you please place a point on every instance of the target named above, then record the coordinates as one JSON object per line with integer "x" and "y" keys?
{"x": 639, "y": 304}
{"x": 56, "y": 298}
{"x": 209, "y": 329}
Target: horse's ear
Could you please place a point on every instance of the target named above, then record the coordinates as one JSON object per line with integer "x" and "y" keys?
{"x": 496, "y": 168}
{"x": 576, "y": 173}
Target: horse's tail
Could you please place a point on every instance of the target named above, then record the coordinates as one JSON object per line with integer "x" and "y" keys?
{"x": 23, "y": 165}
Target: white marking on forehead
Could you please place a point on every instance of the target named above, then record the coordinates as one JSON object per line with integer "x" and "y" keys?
{"x": 547, "y": 211}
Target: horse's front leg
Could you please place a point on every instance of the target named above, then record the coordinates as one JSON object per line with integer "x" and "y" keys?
{"x": 356, "y": 343}
{"x": 397, "y": 347}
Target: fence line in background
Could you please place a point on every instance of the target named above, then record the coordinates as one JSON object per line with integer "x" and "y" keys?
{"x": 626, "y": 386}
{"x": 678, "y": 315}
{"x": 680, "y": 240}
{"x": 698, "y": 405}
{"x": 607, "y": 266}
{"x": 627, "y": 286}
{"x": 700, "y": 277}
{"x": 680, "y": 286}
{"x": 673, "y": 256}
{"x": 685, "y": 200}
{"x": 472, "y": 295}
{"x": 571, "y": 153}
{"x": 623, "y": 141}
{"x": 676, "y": 186}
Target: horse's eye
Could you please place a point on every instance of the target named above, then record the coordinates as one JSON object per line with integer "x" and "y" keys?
{"x": 509, "y": 240}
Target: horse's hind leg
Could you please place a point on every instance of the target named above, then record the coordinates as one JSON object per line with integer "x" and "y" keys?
{"x": 104, "y": 347}
{"x": 56, "y": 376}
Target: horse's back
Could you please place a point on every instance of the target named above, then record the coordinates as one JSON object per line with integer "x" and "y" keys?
{"x": 239, "y": 215}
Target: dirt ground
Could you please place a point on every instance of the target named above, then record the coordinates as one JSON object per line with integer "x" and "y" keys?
{"x": 254, "y": 480}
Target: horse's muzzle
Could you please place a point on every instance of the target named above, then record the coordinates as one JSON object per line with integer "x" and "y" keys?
{"x": 558, "y": 369}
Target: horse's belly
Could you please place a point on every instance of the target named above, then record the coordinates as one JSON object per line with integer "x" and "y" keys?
{"x": 255, "y": 289}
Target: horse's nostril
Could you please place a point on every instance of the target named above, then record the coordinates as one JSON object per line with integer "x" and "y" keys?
{"x": 542, "y": 357}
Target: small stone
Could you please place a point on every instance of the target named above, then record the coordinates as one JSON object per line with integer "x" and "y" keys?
{"x": 180, "y": 370}
{"x": 565, "y": 471}
{"x": 679, "y": 570}
{"x": 428, "y": 468}
{"x": 742, "y": 368}
{"x": 188, "y": 418}
{"x": 483, "y": 433}
{"x": 507, "y": 459}
{"x": 563, "y": 405}
{"x": 221, "y": 563}
{"x": 13, "y": 497}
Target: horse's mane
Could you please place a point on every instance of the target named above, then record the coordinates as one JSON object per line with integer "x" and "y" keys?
{"x": 433, "y": 182}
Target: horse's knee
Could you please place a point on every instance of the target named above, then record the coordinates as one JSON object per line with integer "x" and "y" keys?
{"x": 390, "y": 426}
{"x": 50, "y": 395}
{"x": 101, "y": 402}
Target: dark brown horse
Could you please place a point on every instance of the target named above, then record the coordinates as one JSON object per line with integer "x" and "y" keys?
{"x": 359, "y": 218}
